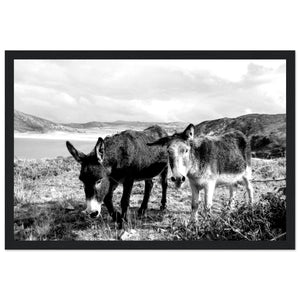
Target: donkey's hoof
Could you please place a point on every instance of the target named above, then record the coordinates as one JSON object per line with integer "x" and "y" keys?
{"x": 116, "y": 217}
{"x": 141, "y": 211}
{"x": 118, "y": 220}
{"x": 163, "y": 207}
{"x": 120, "y": 226}
{"x": 194, "y": 217}
{"x": 125, "y": 219}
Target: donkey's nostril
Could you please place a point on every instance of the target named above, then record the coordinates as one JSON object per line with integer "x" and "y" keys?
{"x": 183, "y": 179}
{"x": 173, "y": 179}
{"x": 94, "y": 214}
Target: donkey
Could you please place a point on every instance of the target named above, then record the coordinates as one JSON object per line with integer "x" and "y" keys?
{"x": 208, "y": 161}
{"x": 122, "y": 159}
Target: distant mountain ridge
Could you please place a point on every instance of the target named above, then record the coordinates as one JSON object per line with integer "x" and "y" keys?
{"x": 87, "y": 125}
{"x": 28, "y": 123}
{"x": 120, "y": 123}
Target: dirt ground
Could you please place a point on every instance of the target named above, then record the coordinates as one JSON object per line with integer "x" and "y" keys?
{"x": 49, "y": 199}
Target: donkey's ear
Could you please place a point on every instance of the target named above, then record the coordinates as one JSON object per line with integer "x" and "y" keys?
{"x": 161, "y": 142}
{"x": 79, "y": 156}
{"x": 99, "y": 149}
{"x": 189, "y": 132}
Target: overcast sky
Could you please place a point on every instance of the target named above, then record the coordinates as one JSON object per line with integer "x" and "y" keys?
{"x": 148, "y": 90}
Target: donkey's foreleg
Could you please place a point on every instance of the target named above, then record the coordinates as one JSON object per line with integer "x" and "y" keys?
{"x": 249, "y": 188}
{"x": 164, "y": 185}
{"x": 209, "y": 193}
{"x": 127, "y": 188}
{"x": 116, "y": 216}
{"x": 195, "y": 200}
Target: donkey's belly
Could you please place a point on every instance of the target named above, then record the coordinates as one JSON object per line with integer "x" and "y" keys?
{"x": 230, "y": 178}
{"x": 224, "y": 178}
{"x": 235, "y": 177}
{"x": 150, "y": 172}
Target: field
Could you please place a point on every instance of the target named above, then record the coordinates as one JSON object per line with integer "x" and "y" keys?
{"x": 49, "y": 198}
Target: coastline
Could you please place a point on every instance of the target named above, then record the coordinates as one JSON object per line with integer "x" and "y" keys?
{"x": 62, "y": 135}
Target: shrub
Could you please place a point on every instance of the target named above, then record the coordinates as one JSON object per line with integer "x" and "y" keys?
{"x": 265, "y": 220}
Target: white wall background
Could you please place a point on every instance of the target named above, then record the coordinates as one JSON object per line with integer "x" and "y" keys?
{"x": 147, "y": 25}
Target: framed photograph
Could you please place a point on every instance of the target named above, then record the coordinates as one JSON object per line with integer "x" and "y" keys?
{"x": 150, "y": 149}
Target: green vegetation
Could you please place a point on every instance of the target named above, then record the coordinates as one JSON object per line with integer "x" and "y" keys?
{"x": 49, "y": 199}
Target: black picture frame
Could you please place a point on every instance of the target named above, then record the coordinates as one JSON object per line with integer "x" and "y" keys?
{"x": 11, "y": 56}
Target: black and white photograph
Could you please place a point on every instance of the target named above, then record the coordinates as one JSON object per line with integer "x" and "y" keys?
{"x": 174, "y": 150}
{"x": 150, "y": 150}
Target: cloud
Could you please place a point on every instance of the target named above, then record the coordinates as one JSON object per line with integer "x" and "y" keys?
{"x": 148, "y": 90}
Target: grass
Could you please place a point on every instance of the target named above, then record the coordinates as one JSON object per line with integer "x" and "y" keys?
{"x": 49, "y": 199}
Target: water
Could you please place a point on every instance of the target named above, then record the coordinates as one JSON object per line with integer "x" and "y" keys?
{"x": 35, "y": 148}
{"x": 53, "y": 144}
{"x": 50, "y": 145}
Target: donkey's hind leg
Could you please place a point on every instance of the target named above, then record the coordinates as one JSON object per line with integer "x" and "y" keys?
{"x": 232, "y": 190}
{"x": 249, "y": 188}
{"x": 148, "y": 188}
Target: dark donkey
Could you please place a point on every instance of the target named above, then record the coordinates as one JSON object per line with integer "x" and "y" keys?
{"x": 122, "y": 158}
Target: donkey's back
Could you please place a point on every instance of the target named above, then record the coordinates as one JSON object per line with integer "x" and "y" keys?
{"x": 127, "y": 152}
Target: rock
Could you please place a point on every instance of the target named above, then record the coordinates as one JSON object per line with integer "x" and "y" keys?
{"x": 69, "y": 206}
{"x": 128, "y": 235}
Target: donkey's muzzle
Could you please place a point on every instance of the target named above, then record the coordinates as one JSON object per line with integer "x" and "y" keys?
{"x": 179, "y": 180}
{"x": 93, "y": 208}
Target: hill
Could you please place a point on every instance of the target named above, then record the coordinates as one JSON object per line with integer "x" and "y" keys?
{"x": 267, "y": 133}
{"x": 25, "y": 122}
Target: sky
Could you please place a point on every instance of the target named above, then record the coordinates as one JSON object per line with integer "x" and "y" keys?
{"x": 190, "y": 91}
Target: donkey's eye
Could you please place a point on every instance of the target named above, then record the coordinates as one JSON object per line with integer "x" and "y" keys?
{"x": 186, "y": 150}
{"x": 98, "y": 181}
